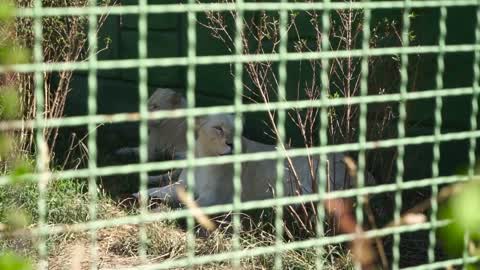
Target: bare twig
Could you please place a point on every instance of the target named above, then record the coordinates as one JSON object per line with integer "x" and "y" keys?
{"x": 195, "y": 210}
{"x": 262, "y": 35}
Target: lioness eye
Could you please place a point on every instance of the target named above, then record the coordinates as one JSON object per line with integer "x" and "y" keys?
{"x": 219, "y": 129}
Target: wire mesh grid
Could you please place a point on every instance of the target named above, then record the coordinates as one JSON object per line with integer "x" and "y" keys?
{"x": 191, "y": 61}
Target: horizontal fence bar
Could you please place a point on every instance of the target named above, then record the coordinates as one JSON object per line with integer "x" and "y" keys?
{"x": 335, "y": 239}
{"x": 258, "y": 251}
{"x": 248, "y": 205}
{"x": 228, "y": 59}
{"x": 265, "y": 250}
{"x": 244, "y": 108}
{"x": 248, "y": 157}
{"x": 445, "y": 264}
{"x": 202, "y": 7}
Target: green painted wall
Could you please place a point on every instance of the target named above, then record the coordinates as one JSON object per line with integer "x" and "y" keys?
{"x": 167, "y": 38}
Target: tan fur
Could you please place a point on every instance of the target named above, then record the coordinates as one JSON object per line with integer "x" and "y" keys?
{"x": 166, "y": 136}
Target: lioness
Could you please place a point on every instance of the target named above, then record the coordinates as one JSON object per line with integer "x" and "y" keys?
{"x": 166, "y": 136}
{"x": 214, "y": 183}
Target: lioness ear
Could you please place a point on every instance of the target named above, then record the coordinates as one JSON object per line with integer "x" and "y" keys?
{"x": 199, "y": 122}
{"x": 177, "y": 100}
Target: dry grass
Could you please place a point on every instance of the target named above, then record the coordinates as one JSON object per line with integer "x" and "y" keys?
{"x": 119, "y": 246}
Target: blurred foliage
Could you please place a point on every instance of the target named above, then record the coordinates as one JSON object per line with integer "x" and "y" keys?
{"x": 17, "y": 219}
{"x": 9, "y": 109}
{"x": 463, "y": 234}
{"x": 21, "y": 167}
{"x": 13, "y": 55}
{"x": 11, "y": 261}
{"x": 9, "y": 103}
{"x": 7, "y": 9}
{"x": 10, "y": 100}
{"x": 5, "y": 145}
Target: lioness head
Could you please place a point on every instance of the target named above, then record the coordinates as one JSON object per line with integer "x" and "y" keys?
{"x": 164, "y": 99}
{"x": 215, "y": 134}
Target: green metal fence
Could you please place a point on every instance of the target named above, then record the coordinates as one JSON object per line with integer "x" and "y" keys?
{"x": 43, "y": 175}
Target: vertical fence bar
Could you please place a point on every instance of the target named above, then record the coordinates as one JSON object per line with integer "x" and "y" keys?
{"x": 473, "y": 122}
{"x": 92, "y": 129}
{"x": 191, "y": 81}
{"x": 363, "y": 114}
{"x": 323, "y": 135}
{"x": 41, "y": 146}
{"x": 280, "y": 166}
{"x": 143, "y": 132}
{"x": 437, "y": 132}
{"x": 476, "y": 90}
{"x": 401, "y": 131}
{"x": 237, "y": 140}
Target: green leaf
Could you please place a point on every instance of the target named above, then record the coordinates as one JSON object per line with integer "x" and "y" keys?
{"x": 9, "y": 104}
{"x": 452, "y": 235}
{"x": 17, "y": 219}
{"x": 22, "y": 167}
{"x": 6, "y": 10}
{"x": 12, "y": 261}
{"x": 463, "y": 212}
{"x": 11, "y": 54}
{"x": 5, "y": 144}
